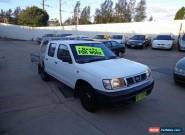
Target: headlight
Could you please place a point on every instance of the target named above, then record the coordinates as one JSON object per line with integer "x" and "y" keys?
{"x": 148, "y": 72}
{"x": 117, "y": 83}
{"x": 179, "y": 70}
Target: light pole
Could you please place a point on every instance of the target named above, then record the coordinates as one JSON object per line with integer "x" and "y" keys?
{"x": 60, "y": 11}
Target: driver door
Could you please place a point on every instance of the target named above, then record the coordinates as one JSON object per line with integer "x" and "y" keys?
{"x": 65, "y": 67}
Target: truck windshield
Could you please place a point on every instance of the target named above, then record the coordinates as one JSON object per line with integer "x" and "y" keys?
{"x": 99, "y": 37}
{"x": 138, "y": 37}
{"x": 117, "y": 37}
{"x": 164, "y": 37}
{"x": 91, "y": 52}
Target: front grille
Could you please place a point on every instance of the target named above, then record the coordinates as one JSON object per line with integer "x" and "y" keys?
{"x": 136, "y": 79}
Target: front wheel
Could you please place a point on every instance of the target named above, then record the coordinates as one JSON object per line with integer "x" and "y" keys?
{"x": 88, "y": 99}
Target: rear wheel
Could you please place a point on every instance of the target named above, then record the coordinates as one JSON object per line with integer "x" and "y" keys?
{"x": 120, "y": 54}
{"x": 88, "y": 98}
{"x": 43, "y": 74}
{"x": 39, "y": 68}
{"x": 144, "y": 46}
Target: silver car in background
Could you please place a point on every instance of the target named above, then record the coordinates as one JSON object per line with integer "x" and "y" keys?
{"x": 119, "y": 38}
{"x": 181, "y": 43}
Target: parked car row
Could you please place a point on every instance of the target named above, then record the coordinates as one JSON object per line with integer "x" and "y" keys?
{"x": 163, "y": 41}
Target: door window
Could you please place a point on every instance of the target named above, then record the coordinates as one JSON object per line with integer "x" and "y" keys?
{"x": 63, "y": 53}
{"x": 51, "y": 50}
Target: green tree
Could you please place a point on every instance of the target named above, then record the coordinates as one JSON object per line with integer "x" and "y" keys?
{"x": 85, "y": 15}
{"x": 76, "y": 10}
{"x": 124, "y": 10}
{"x": 2, "y": 16}
{"x": 140, "y": 13}
{"x": 98, "y": 16}
{"x": 68, "y": 21}
{"x": 120, "y": 11}
{"x": 16, "y": 12}
{"x": 105, "y": 13}
{"x": 33, "y": 16}
{"x": 180, "y": 14}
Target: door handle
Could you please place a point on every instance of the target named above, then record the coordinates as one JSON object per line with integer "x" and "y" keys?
{"x": 56, "y": 62}
{"x": 46, "y": 58}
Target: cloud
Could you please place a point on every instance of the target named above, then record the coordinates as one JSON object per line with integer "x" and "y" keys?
{"x": 160, "y": 12}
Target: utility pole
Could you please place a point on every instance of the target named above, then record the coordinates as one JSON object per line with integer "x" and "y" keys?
{"x": 43, "y": 4}
{"x": 60, "y": 11}
{"x": 77, "y": 19}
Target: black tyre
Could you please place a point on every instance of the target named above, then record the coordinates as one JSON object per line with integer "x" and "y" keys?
{"x": 143, "y": 46}
{"x": 88, "y": 98}
{"x": 43, "y": 74}
{"x": 120, "y": 54}
{"x": 39, "y": 69}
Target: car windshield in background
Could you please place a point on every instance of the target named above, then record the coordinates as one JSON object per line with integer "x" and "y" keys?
{"x": 49, "y": 35}
{"x": 63, "y": 35}
{"x": 138, "y": 37}
{"x": 115, "y": 44}
{"x": 164, "y": 37}
{"x": 183, "y": 38}
{"x": 91, "y": 52}
{"x": 117, "y": 37}
{"x": 99, "y": 37}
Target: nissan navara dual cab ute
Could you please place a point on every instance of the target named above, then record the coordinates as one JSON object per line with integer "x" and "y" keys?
{"x": 95, "y": 73}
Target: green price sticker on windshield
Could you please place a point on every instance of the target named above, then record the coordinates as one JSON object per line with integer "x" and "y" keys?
{"x": 87, "y": 50}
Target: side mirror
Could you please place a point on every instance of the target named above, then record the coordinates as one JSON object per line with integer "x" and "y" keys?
{"x": 67, "y": 59}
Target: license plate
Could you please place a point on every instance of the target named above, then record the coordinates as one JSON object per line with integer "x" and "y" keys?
{"x": 132, "y": 45}
{"x": 140, "y": 96}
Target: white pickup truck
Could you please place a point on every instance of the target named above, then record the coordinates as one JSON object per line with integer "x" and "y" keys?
{"x": 95, "y": 73}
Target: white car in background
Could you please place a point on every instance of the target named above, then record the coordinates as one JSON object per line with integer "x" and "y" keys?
{"x": 163, "y": 42}
{"x": 181, "y": 45}
{"x": 119, "y": 38}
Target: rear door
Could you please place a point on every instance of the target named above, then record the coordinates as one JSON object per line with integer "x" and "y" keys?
{"x": 49, "y": 61}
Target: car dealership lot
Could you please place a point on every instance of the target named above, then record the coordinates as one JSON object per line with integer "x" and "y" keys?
{"x": 30, "y": 106}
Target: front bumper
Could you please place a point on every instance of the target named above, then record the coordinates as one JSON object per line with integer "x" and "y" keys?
{"x": 161, "y": 47}
{"x": 125, "y": 95}
{"x": 132, "y": 45}
{"x": 179, "y": 78}
{"x": 182, "y": 48}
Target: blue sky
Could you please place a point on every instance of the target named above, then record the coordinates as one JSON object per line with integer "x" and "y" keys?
{"x": 159, "y": 9}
